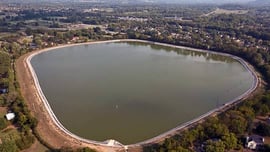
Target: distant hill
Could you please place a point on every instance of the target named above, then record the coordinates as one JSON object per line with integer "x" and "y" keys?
{"x": 143, "y": 1}
{"x": 216, "y": 2}
{"x": 260, "y": 3}
{"x": 176, "y": 1}
{"x": 206, "y": 1}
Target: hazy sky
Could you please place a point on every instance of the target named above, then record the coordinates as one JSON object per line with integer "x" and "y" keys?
{"x": 206, "y": 1}
{"x": 187, "y": 1}
{"x": 192, "y": 1}
{"x": 154, "y": 1}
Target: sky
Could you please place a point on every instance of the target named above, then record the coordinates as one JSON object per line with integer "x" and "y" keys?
{"x": 151, "y": 1}
{"x": 186, "y": 1}
{"x": 206, "y": 1}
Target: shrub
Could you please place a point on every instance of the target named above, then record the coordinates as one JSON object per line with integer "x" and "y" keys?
{"x": 25, "y": 141}
{"x": 8, "y": 146}
{"x": 3, "y": 123}
{"x": 263, "y": 129}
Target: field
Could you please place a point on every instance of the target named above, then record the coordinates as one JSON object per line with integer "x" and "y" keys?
{"x": 224, "y": 11}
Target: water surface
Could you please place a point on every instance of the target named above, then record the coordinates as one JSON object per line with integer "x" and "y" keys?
{"x": 134, "y": 91}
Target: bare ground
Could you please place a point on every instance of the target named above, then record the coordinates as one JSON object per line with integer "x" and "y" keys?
{"x": 3, "y": 110}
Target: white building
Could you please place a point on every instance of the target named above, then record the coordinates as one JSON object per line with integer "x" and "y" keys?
{"x": 10, "y": 116}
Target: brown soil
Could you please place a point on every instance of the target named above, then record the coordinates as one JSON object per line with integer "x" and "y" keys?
{"x": 3, "y": 110}
{"x": 36, "y": 147}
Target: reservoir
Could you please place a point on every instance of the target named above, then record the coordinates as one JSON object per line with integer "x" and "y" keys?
{"x": 133, "y": 91}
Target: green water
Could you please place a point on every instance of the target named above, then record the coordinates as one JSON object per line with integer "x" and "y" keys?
{"x": 131, "y": 92}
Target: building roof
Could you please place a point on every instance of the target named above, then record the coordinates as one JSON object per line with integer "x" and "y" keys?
{"x": 10, "y": 116}
{"x": 3, "y": 90}
{"x": 256, "y": 138}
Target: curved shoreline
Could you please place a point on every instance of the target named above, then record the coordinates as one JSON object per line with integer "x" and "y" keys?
{"x": 160, "y": 137}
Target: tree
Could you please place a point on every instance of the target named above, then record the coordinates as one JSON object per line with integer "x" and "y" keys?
{"x": 188, "y": 137}
{"x": 2, "y": 101}
{"x": 170, "y": 145}
{"x": 15, "y": 47}
{"x": 32, "y": 121}
{"x": 264, "y": 110}
{"x": 238, "y": 125}
{"x": 65, "y": 149}
{"x": 3, "y": 123}
{"x": 235, "y": 121}
{"x": 85, "y": 149}
{"x": 8, "y": 146}
{"x": 214, "y": 146}
{"x": 11, "y": 97}
{"x": 97, "y": 30}
{"x": 248, "y": 112}
{"x": 266, "y": 97}
{"x": 263, "y": 129}
{"x": 265, "y": 148}
{"x": 261, "y": 109}
{"x": 215, "y": 129}
{"x": 37, "y": 40}
{"x": 229, "y": 140}
{"x": 21, "y": 119}
{"x": 25, "y": 140}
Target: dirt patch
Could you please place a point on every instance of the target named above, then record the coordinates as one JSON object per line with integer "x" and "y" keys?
{"x": 36, "y": 147}
{"x": 224, "y": 11}
{"x": 3, "y": 111}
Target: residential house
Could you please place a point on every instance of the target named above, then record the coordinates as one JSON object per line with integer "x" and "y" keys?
{"x": 254, "y": 142}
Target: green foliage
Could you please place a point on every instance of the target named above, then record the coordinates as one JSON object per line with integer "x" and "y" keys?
{"x": 261, "y": 109}
{"x": 247, "y": 112}
{"x": 69, "y": 149}
{"x": 3, "y": 123}
{"x": 42, "y": 141}
{"x": 23, "y": 117}
{"x": 2, "y": 101}
{"x": 238, "y": 125}
{"x": 11, "y": 97}
{"x": 214, "y": 146}
{"x": 215, "y": 129}
{"x": 10, "y": 135}
{"x": 4, "y": 60}
{"x": 230, "y": 141}
{"x": 32, "y": 121}
{"x": 169, "y": 145}
{"x": 4, "y": 70}
{"x": 8, "y": 146}
{"x": 214, "y": 32}
{"x": 265, "y": 148}
{"x": 25, "y": 141}
{"x": 187, "y": 138}
{"x": 263, "y": 129}
{"x": 85, "y": 149}
{"x": 235, "y": 121}
{"x": 66, "y": 149}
